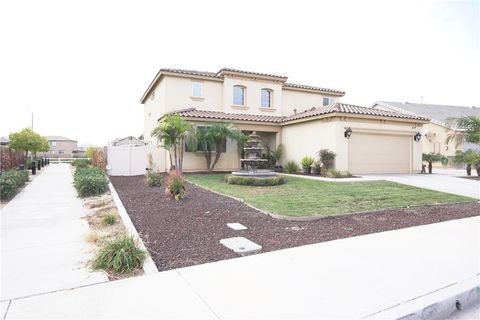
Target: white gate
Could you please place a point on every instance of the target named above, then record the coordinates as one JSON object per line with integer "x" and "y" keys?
{"x": 127, "y": 160}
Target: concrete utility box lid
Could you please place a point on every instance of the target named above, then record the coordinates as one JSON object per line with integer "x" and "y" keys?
{"x": 236, "y": 226}
{"x": 241, "y": 245}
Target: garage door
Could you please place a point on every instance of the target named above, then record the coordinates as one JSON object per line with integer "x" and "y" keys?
{"x": 378, "y": 153}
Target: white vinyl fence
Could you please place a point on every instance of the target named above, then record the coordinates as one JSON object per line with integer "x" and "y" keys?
{"x": 127, "y": 160}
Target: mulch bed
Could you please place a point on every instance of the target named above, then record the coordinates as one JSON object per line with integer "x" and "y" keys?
{"x": 187, "y": 232}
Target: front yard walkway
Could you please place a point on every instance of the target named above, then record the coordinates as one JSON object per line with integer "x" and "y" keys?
{"x": 383, "y": 276}
{"x": 43, "y": 248}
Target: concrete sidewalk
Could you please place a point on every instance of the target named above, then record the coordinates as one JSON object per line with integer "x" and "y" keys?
{"x": 383, "y": 275}
{"x": 43, "y": 247}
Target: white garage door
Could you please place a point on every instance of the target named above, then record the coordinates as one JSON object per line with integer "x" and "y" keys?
{"x": 378, "y": 153}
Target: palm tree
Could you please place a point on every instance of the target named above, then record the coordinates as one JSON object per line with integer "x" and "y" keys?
{"x": 173, "y": 132}
{"x": 467, "y": 129}
{"x": 211, "y": 138}
{"x": 430, "y": 158}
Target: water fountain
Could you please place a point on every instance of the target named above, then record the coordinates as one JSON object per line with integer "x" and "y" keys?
{"x": 253, "y": 159}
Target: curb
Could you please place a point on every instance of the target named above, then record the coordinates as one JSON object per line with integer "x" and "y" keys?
{"x": 148, "y": 265}
{"x": 436, "y": 305}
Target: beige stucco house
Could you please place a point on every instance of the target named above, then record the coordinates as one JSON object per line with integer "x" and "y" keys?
{"x": 303, "y": 118}
{"x": 434, "y": 133}
{"x": 61, "y": 147}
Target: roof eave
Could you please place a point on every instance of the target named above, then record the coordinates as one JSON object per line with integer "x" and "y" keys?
{"x": 334, "y": 93}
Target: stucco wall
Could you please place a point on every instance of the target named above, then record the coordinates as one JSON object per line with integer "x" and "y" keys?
{"x": 66, "y": 146}
{"x": 307, "y": 138}
{"x": 435, "y": 142}
{"x": 302, "y": 100}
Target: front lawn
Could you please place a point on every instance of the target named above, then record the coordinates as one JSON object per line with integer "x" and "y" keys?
{"x": 304, "y": 197}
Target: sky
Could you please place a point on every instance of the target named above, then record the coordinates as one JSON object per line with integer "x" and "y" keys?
{"x": 81, "y": 66}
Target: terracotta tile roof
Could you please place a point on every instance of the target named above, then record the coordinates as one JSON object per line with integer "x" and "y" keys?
{"x": 350, "y": 109}
{"x": 219, "y": 115}
{"x": 302, "y": 86}
{"x": 335, "y": 108}
{"x": 191, "y": 72}
{"x": 250, "y": 72}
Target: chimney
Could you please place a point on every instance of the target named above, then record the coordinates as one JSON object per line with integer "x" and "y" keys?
{"x": 295, "y": 111}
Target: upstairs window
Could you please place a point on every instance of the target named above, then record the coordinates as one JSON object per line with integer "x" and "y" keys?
{"x": 266, "y": 98}
{"x": 328, "y": 101}
{"x": 196, "y": 89}
{"x": 52, "y": 143}
{"x": 239, "y": 95}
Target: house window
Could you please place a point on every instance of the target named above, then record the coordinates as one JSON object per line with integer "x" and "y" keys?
{"x": 201, "y": 147}
{"x": 328, "y": 101}
{"x": 61, "y": 152}
{"x": 239, "y": 95}
{"x": 53, "y": 143}
{"x": 196, "y": 89}
{"x": 52, "y": 151}
{"x": 266, "y": 98}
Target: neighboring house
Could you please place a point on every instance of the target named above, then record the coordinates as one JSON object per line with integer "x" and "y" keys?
{"x": 4, "y": 141}
{"x": 303, "y": 118}
{"x": 436, "y": 132}
{"x": 127, "y": 141}
{"x": 61, "y": 147}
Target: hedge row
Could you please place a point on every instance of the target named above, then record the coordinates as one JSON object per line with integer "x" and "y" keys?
{"x": 90, "y": 181}
{"x": 10, "y": 181}
{"x": 252, "y": 181}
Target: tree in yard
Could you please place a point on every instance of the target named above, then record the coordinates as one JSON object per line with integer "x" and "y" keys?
{"x": 173, "y": 132}
{"x": 467, "y": 129}
{"x": 28, "y": 140}
{"x": 469, "y": 157}
{"x": 211, "y": 139}
{"x": 430, "y": 158}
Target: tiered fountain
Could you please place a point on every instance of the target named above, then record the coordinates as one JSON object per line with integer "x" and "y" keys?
{"x": 253, "y": 159}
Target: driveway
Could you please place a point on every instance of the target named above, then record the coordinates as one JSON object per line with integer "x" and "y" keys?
{"x": 444, "y": 180}
{"x": 43, "y": 247}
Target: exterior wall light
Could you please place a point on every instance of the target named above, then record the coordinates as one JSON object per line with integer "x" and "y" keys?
{"x": 417, "y": 136}
{"x": 348, "y": 133}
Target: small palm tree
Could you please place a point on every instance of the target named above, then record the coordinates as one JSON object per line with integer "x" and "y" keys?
{"x": 467, "y": 129}
{"x": 430, "y": 158}
{"x": 173, "y": 132}
{"x": 210, "y": 139}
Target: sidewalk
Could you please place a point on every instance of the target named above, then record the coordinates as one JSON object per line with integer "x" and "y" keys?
{"x": 368, "y": 276}
{"x": 42, "y": 247}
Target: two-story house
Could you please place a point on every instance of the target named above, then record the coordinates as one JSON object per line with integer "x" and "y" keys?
{"x": 303, "y": 118}
{"x": 61, "y": 147}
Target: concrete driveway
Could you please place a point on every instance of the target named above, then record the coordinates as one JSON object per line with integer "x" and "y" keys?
{"x": 444, "y": 180}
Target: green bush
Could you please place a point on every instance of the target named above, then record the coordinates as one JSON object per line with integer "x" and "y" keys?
{"x": 81, "y": 163}
{"x": 109, "y": 219}
{"x": 153, "y": 179}
{"x": 120, "y": 255}
{"x": 332, "y": 173}
{"x": 291, "y": 166}
{"x": 10, "y": 181}
{"x": 327, "y": 158}
{"x": 307, "y": 162}
{"x": 254, "y": 181}
{"x": 176, "y": 184}
{"x": 90, "y": 181}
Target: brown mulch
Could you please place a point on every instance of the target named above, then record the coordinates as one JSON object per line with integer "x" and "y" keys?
{"x": 187, "y": 232}
{"x": 471, "y": 178}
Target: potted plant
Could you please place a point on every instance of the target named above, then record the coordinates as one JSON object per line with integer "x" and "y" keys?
{"x": 316, "y": 167}
{"x": 306, "y": 163}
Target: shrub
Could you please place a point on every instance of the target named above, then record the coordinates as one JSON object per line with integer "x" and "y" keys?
{"x": 99, "y": 158}
{"x": 176, "y": 185}
{"x": 120, "y": 255}
{"x": 81, "y": 163}
{"x": 10, "y": 181}
{"x": 153, "y": 179}
{"x": 291, "y": 166}
{"x": 327, "y": 158}
{"x": 254, "y": 181}
{"x": 307, "y": 162}
{"x": 332, "y": 173}
{"x": 90, "y": 181}
{"x": 109, "y": 219}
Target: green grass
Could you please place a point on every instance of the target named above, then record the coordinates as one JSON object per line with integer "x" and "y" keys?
{"x": 305, "y": 197}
